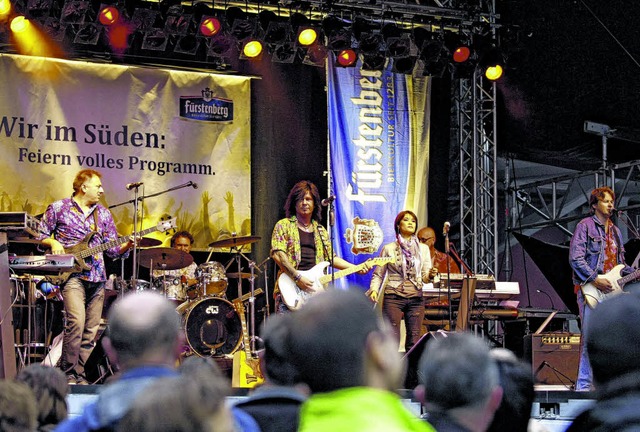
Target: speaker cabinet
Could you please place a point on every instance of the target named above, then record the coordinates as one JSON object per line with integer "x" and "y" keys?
{"x": 554, "y": 357}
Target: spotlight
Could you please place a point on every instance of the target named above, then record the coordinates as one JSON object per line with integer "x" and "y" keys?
{"x": 370, "y": 42}
{"x": 242, "y": 29}
{"x": 19, "y": 24}
{"x": 187, "y": 44}
{"x": 340, "y": 40}
{"x": 284, "y": 53}
{"x": 404, "y": 65}
{"x": 277, "y": 33}
{"x": 177, "y": 22}
{"x": 75, "y": 12}
{"x": 5, "y": 9}
{"x": 108, "y": 15}
{"x": 155, "y": 40}
{"x": 209, "y": 26}
{"x": 316, "y": 55}
{"x": 221, "y": 46}
{"x": 492, "y": 63}
{"x": 144, "y": 19}
{"x": 88, "y": 34}
{"x": 373, "y": 61}
{"x": 54, "y": 29}
{"x": 307, "y": 36}
{"x": 346, "y": 58}
{"x": 252, "y": 49}
{"x": 37, "y": 8}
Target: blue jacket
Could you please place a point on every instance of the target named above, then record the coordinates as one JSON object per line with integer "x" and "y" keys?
{"x": 586, "y": 253}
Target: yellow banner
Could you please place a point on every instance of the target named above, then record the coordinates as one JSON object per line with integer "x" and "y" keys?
{"x": 184, "y": 133}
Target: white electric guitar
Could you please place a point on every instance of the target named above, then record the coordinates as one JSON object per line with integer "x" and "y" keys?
{"x": 593, "y": 296}
{"x": 294, "y": 297}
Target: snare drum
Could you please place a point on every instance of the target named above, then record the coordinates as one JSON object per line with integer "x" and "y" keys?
{"x": 212, "y": 279}
{"x": 212, "y": 327}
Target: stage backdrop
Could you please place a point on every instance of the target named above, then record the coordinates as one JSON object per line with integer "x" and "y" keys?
{"x": 164, "y": 128}
{"x": 379, "y": 148}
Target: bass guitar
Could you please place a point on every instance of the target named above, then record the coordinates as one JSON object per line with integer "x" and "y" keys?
{"x": 294, "y": 297}
{"x": 81, "y": 251}
{"x": 246, "y": 368}
{"x": 593, "y": 296}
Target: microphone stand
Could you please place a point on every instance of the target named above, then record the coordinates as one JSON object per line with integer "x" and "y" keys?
{"x": 332, "y": 222}
{"x": 446, "y": 251}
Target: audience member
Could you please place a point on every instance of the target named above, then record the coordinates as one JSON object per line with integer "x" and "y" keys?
{"x": 18, "y": 412}
{"x": 186, "y": 403}
{"x": 276, "y": 403}
{"x": 144, "y": 339}
{"x": 613, "y": 344}
{"x": 349, "y": 359}
{"x": 516, "y": 380}
{"x": 459, "y": 384}
{"x": 50, "y": 387}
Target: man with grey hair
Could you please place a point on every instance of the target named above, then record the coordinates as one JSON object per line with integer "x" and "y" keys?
{"x": 144, "y": 340}
{"x": 459, "y": 384}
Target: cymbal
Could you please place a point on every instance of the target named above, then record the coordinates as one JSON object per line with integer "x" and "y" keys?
{"x": 235, "y": 241}
{"x": 164, "y": 258}
{"x": 235, "y": 275}
{"x": 148, "y": 242}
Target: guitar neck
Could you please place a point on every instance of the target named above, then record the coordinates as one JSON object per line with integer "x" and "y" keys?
{"x": 628, "y": 278}
{"x": 243, "y": 322}
{"x": 108, "y": 245}
{"x": 342, "y": 273}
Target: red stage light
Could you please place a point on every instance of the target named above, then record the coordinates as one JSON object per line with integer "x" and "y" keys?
{"x": 461, "y": 54}
{"x": 210, "y": 26}
{"x": 109, "y": 15}
{"x": 347, "y": 57}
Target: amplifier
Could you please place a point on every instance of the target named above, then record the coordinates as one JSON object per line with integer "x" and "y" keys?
{"x": 554, "y": 357}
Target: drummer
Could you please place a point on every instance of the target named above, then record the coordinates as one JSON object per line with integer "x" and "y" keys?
{"x": 182, "y": 240}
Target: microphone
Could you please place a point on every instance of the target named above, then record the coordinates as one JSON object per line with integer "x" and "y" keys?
{"x": 134, "y": 185}
{"x": 445, "y": 229}
{"x": 193, "y": 184}
{"x": 325, "y": 202}
{"x": 548, "y": 296}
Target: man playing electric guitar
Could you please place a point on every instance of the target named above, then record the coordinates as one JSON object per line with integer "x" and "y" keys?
{"x": 299, "y": 242}
{"x": 596, "y": 248}
{"x": 66, "y": 223}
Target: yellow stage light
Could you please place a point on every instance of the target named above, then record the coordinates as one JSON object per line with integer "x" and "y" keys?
{"x": 252, "y": 49}
{"x": 307, "y": 37}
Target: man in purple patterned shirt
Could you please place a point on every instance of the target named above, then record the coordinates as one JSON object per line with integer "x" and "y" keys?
{"x": 67, "y": 223}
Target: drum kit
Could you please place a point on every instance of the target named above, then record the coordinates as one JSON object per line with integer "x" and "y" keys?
{"x": 211, "y": 323}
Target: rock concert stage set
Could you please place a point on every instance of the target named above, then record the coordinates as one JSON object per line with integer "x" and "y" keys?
{"x": 478, "y": 303}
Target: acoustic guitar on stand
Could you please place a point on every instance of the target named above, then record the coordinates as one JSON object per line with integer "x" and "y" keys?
{"x": 246, "y": 368}
{"x": 593, "y": 296}
{"x": 294, "y": 297}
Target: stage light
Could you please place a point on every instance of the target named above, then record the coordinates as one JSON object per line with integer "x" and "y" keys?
{"x": 403, "y": 65}
{"x": 493, "y": 72}
{"x": 76, "y": 12}
{"x": 177, "y": 22}
{"x": 277, "y": 33}
{"x": 88, "y": 34}
{"x": 54, "y": 29}
{"x": 370, "y": 42}
{"x": 316, "y": 55}
{"x": 242, "y": 29}
{"x": 284, "y": 53}
{"x": 155, "y": 40}
{"x": 252, "y": 49}
{"x": 307, "y": 36}
{"x": 491, "y": 63}
{"x": 461, "y": 54}
{"x": 109, "y": 15}
{"x": 187, "y": 44}
{"x": 144, "y": 19}
{"x": 346, "y": 58}
{"x": 5, "y": 9}
{"x": 221, "y": 45}
{"x": 19, "y": 24}
{"x": 374, "y": 61}
{"x": 209, "y": 26}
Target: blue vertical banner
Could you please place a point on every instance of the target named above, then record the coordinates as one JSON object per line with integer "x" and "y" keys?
{"x": 379, "y": 148}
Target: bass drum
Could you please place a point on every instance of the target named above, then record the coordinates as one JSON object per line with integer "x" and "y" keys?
{"x": 212, "y": 327}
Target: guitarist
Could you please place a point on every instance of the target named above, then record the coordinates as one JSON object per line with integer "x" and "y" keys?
{"x": 299, "y": 242}
{"x": 67, "y": 223}
{"x": 596, "y": 248}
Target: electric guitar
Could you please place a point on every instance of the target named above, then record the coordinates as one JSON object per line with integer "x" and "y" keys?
{"x": 246, "y": 368}
{"x": 81, "y": 251}
{"x": 294, "y": 297}
{"x": 593, "y": 296}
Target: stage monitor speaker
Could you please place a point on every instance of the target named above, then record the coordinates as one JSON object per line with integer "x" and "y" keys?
{"x": 412, "y": 357}
{"x": 554, "y": 357}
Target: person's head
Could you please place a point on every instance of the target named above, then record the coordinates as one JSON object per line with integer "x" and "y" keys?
{"x": 143, "y": 328}
{"x": 181, "y": 404}
{"x": 195, "y": 364}
{"x": 88, "y": 183}
{"x": 458, "y": 376}
{"x": 613, "y": 338}
{"x": 336, "y": 340}
{"x": 275, "y": 362}
{"x": 304, "y": 198}
{"x": 50, "y": 387}
{"x": 427, "y": 236}
{"x": 602, "y": 200}
{"x": 18, "y": 407}
{"x": 516, "y": 381}
{"x": 406, "y": 223}
{"x": 182, "y": 240}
